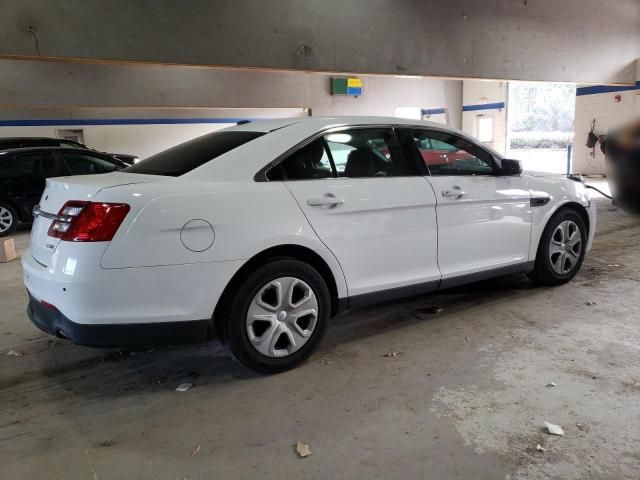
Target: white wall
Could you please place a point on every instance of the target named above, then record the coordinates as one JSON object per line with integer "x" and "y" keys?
{"x": 140, "y": 140}
{"x": 609, "y": 115}
{"x": 479, "y": 92}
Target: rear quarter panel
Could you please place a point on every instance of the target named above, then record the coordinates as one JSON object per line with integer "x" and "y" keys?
{"x": 247, "y": 218}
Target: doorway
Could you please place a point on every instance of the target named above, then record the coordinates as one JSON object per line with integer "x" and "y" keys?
{"x": 540, "y": 124}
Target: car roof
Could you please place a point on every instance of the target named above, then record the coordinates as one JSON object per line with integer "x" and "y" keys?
{"x": 51, "y": 148}
{"x": 321, "y": 123}
{"x": 32, "y": 138}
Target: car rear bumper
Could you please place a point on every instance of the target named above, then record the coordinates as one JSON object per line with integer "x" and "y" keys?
{"x": 90, "y": 295}
{"x": 50, "y": 320}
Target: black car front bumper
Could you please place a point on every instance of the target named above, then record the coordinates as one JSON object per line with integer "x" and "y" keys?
{"x": 53, "y": 322}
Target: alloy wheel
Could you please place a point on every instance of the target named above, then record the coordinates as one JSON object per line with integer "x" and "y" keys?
{"x": 282, "y": 317}
{"x": 565, "y": 247}
{"x": 6, "y": 219}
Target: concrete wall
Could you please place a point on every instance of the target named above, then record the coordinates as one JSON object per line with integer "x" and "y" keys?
{"x": 53, "y": 91}
{"x": 486, "y": 99}
{"x": 58, "y": 84}
{"x": 608, "y": 115}
{"x": 568, "y": 40}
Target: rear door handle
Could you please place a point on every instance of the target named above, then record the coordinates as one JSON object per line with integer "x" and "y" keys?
{"x": 324, "y": 201}
{"x": 455, "y": 192}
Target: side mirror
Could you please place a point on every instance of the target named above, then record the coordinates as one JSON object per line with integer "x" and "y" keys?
{"x": 509, "y": 167}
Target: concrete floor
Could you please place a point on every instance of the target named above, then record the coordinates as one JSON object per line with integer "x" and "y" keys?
{"x": 465, "y": 397}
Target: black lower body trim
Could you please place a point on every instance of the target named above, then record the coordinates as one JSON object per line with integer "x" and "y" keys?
{"x": 53, "y": 322}
{"x": 485, "y": 275}
{"x": 366, "y": 299}
{"x": 358, "y": 301}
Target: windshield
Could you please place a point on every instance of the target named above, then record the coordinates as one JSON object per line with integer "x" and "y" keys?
{"x": 187, "y": 156}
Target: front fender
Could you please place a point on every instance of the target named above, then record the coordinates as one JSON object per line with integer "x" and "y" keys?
{"x": 561, "y": 193}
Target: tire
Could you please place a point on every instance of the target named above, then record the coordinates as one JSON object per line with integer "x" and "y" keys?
{"x": 276, "y": 342}
{"x": 550, "y": 267}
{"x": 8, "y": 219}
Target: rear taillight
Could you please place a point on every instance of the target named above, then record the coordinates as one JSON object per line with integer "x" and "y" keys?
{"x": 80, "y": 221}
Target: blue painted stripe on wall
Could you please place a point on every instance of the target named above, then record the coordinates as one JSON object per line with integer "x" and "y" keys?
{"x": 117, "y": 121}
{"x": 484, "y": 106}
{"x": 355, "y": 91}
{"x": 433, "y": 111}
{"x": 595, "y": 89}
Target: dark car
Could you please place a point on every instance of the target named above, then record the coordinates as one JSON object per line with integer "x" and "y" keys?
{"x": 23, "y": 173}
{"x": 7, "y": 143}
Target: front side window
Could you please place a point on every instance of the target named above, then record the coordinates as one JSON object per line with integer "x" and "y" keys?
{"x": 86, "y": 164}
{"x": 448, "y": 154}
{"x": 187, "y": 156}
{"x": 367, "y": 152}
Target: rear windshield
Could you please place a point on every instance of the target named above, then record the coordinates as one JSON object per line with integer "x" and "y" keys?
{"x": 185, "y": 157}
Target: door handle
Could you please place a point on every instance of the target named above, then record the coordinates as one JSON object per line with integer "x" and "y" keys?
{"x": 324, "y": 201}
{"x": 455, "y": 192}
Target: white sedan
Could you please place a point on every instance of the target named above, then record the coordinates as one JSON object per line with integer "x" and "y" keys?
{"x": 261, "y": 232}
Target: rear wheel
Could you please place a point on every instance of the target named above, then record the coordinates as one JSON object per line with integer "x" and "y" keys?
{"x": 562, "y": 248}
{"x": 277, "y": 317}
{"x": 8, "y": 219}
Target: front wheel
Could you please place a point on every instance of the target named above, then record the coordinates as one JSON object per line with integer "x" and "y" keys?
{"x": 277, "y": 317}
{"x": 562, "y": 249}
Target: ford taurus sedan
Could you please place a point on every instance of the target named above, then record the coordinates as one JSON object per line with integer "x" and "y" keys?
{"x": 259, "y": 233}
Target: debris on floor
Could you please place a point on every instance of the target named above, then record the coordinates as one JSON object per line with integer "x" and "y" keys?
{"x": 582, "y": 427}
{"x": 183, "y": 387}
{"x": 540, "y": 448}
{"x": 551, "y": 384}
{"x": 196, "y": 451}
{"x": 391, "y": 354}
{"x": 590, "y": 304}
{"x": 303, "y": 449}
{"x": 14, "y": 353}
{"x": 107, "y": 443}
{"x": 432, "y": 309}
{"x": 554, "y": 429}
{"x": 613, "y": 265}
{"x": 467, "y": 338}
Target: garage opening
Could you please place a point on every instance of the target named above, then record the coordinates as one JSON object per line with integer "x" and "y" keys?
{"x": 540, "y": 124}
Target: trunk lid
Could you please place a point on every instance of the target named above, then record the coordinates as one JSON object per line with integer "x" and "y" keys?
{"x": 62, "y": 189}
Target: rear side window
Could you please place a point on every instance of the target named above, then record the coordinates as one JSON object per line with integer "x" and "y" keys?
{"x": 13, "y": 166}
{"x": 187, "y": 156}
{"x": 85, "y": 164}
{"x": 28, "y": 164}
{"x": 28, "y": 142}
{"x": 310, "y": 162}
{"x": 367, "y": 152}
